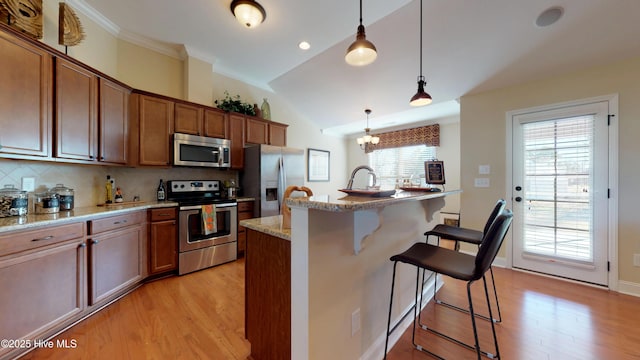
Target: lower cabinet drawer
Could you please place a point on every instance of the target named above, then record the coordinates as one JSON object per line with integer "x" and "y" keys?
{"x": 115, "y": 222}
{"x": 14, "y": 242}
{"x": 163, "y": 214}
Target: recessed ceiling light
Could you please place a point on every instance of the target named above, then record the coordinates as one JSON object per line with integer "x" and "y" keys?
{"x": 549, "y": 16}
{"x": 304, "y": 45}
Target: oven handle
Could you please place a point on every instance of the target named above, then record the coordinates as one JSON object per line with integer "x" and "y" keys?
{"x": 218, "y": 206}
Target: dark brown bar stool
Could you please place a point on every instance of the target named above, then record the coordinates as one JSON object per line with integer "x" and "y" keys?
{"x": 459, "y": 266}
{"x": 470, "y": 236}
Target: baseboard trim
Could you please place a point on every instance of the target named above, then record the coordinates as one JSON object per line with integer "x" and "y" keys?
{"x": 376, "y": 351}
{"x": 629, "y": 288}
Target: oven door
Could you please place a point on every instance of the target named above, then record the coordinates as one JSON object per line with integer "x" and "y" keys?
{"x": 192, "y": 235}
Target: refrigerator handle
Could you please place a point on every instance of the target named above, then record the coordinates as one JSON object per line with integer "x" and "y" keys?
{"x": 282, "y": 179}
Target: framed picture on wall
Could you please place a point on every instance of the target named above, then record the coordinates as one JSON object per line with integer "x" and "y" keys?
{"x": 317, "y": 165}
{"x": 434, "y": 172}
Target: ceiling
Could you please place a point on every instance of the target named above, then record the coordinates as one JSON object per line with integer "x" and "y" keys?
{"x": 468, "y": 46}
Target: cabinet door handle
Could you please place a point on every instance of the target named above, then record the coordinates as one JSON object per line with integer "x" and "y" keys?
{"x": 94, "y": 242}
{"x": 82, "y": 245}
{"x": 120, "y": 222}
{"x": 44, "y": 238}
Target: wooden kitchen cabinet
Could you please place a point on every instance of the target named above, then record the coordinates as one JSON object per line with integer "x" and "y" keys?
{"x": 151, "y": 129}
{"x": 277, "y": 134}
{"x": 42, "y": 274}
{"x": 200, "y": 120}
{"x": 188, "y": 119}
{"x": 92, "y": 114}
{"x": 163, "y": 240}
{"x": 268, "y": 296}
{"x": 117, "y": 255}
{"x": 113, "y": 134}
{"x": 26, "y": 93}
{"x": 216, "y": 123}
{"x": 245, "y": 211}
{"x": 76, "y": 123}
{"x": 237, "y": 136}
{"x": 259, "y": 131}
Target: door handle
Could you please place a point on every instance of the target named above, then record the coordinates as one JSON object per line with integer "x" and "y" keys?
{"x": 518, "y": 188}
{"x": 518, "y": 198}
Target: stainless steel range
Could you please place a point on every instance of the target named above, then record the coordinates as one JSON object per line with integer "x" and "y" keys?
{"x": 207, "y": 225}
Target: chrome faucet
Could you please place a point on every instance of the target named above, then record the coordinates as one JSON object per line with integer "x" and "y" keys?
{"x": 353, "y": 174}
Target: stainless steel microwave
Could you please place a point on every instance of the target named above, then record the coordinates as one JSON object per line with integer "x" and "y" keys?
{"x": 192, "y": 150}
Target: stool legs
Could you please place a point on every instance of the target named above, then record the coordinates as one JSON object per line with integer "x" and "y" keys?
{"x": 393, "y": 281}
{"x": 417, "y": 319}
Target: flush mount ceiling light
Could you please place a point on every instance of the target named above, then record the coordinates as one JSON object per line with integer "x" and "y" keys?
{"x": 361, "y": 52}
{"x": 367, "y": 139}
{"x": 421, "y": 98}
{"x": 248, "y": 13}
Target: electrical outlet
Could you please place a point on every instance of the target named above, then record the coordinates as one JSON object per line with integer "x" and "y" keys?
{"x": 355, "y": 321}
{"x": 484, "y": 169}
{"x": 481, "y": 182}
{"x": 636, "y": 260}
{"x": 29, "y": 184}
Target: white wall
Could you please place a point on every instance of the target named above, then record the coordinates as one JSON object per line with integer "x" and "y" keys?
{"x": 483, "y": 127}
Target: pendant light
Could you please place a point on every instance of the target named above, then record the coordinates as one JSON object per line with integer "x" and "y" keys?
{"x": 367, "y": 139}
{"x": 421, "y": 98}
{"x": 248, "y": 13}
{"x": 361, "y": 52}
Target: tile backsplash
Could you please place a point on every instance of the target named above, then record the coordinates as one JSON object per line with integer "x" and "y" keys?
{"x": 88, "y": 181}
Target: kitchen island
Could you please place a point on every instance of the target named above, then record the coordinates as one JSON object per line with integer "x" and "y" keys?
{"x": 339, "y": 274}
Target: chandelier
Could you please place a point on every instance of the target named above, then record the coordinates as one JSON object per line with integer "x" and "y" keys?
{"x": 367, "y": 139}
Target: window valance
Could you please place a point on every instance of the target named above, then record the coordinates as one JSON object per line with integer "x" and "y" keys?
{"x": 425, "y": 135}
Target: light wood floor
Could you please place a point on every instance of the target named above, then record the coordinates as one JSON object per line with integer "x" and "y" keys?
{"x": 201, "y": 316}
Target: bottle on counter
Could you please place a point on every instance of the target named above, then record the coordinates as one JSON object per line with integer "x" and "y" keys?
{"x": 161, "y": 191}
{"x": 109, "y": 188}
{"x": 118, "y": 197}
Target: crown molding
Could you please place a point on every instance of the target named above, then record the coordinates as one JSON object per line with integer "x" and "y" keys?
{"x": 115, "y": 30}
{"x": 95, "y": 16}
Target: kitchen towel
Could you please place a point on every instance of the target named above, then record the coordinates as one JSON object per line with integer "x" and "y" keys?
{"x": 208, "y": 219}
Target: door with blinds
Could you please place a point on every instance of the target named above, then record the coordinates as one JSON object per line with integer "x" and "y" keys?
{"x": 560, "y": 191}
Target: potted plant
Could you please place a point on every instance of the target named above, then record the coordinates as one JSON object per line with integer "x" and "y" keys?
{"x": 234, "y": 104}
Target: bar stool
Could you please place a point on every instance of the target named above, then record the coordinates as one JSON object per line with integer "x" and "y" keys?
{"x": 459, "y": 266}
{"x": 470, "y": 236}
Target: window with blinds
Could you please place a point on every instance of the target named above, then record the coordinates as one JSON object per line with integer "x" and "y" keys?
{"x": 400, "y": 163}
{"x": 558, "y": 187}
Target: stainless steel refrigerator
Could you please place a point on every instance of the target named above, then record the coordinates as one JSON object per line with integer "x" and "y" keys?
{"x": 268, "y": 171}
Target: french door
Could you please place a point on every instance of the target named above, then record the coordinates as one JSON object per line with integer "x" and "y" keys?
{"x": 560, "y": 191}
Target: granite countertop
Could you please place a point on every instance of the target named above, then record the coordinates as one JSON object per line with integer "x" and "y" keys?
{"x": 271, "y": 225}
{"x": 243, "y": 199}
{"x": 354, "y": 203}
{"x": 77, "y": 214}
